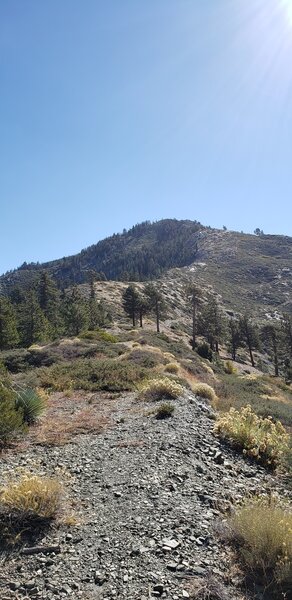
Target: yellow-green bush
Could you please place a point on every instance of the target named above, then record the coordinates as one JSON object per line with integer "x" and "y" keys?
{"x": 262, "y": 530}
{"x": 229, "y": 367}
{"x": 204, "y": 391}
{"x": 171, "y": 368}
{"x": 259, "y": 438}
{"x": 32, "y": 497}
{"x": 158, "y": 389}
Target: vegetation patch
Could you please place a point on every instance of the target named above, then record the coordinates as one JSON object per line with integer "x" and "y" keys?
{"x": 159, "y": 389}
{"x": 172, "y": 368}
{"x": 31, "y": 403}
{"x": 93, "y": 375}
{"x": 204, "y": 391}
{"x": 164, "y": 411}
{"x": 262, "y": 532}
{"x": 259, "y": 438}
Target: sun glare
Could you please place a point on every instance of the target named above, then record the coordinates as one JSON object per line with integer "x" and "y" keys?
{"x": 287, "y": 4}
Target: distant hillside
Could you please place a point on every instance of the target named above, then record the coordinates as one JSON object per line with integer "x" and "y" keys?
{"x": 144, "y": 252}
{"x": 251, "y": 273}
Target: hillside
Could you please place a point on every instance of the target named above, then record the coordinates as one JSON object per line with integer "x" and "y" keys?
{"x": 249, "y": 272}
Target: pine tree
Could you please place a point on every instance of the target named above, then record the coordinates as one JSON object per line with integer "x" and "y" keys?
{"x": 212, "y": 323}
{"x": 287, "y": 332}
{"x": 249, "y": 335}
{"x": 155, "y": 302}
{"x": 194, "y": 297}
{"x": 130, "y": 302}
{"x": 234, "y": 337}
{"x": 9, "y": 337}
{"x": 33, "y": 324}
{"x": 271, "y": 337}
{"x": 74, "y": 312}
{"x": 49, "y": 302}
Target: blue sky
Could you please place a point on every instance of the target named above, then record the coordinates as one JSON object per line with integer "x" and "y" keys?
{"x": 113, "y": 112}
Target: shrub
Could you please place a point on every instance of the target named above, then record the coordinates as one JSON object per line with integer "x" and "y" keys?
{"x": 204, "y": 391}
{"x": 229, "y": 367}
{"x": 32, "y": 497}
{"x": 157, "y": 389}
{"x": 93, "y": 375}
{"x": 144, "y": 358}
{"x": 99, "y": 334}
{"x": 31, "y": 404}
{"x": 259, "y": 438}
{"x": 205, "y": 351}
{"x": 164, "y": 411}
{"x": 11, "y": 419}
{"x": 262, "y": 530}
{"x": 172, "y": 368}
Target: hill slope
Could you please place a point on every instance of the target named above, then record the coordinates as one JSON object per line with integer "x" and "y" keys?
{"x": 250, "y": 272}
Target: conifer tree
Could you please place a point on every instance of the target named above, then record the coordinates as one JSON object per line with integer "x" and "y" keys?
{"x": 271, "y": 337}
{"x": 194, "y": 297}
{"x": 287, "y": 332}
{"x": 212, "y": 323}
{"x": 49, "y": 302}
{"x": 234, "y": 337}
{"x": 250, "y": 336}
{"x": 9, "y": 337}
{"x": 155, "y": 302}
{"x": 130, "y": 302}
{"x": 33, "y": 324}
{"x": 74, "y": 312}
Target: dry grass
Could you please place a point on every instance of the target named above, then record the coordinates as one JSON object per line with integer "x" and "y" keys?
{"x": 262, "y": 531}
{"x": 259, "y": 438}
{"x": 32, "y": 497}
{"x": 159, "y": 389}
{"x": 67, "y": 417}
{"x": 203, "y": 390}
{"x": 172, "y": 368}
{"x": 208, "y": 588}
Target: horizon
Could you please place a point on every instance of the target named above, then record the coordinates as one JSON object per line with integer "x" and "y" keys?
{"x": 113, "y": 115}
{"x": 121, "y": 231}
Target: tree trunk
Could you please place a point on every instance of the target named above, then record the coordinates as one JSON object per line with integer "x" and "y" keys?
{"x": 217, "y": 347}
{"x": 134, "y": 319}
{"x": 141, "y": 318}
{"x": 251, "y": 355}
{"x": 276, "y": 361}
{"x": 157, "y": 317}
{"x": 194, "y": 328}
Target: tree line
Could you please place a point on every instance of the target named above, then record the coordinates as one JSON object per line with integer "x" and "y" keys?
{"x": 43, "y": 313}
{"x": 209, "y": 321}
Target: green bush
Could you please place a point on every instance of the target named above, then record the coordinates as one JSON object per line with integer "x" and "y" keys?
{"x": 205, "y": 351}
{"x": 164, "y": 411}
{"x": 93, "y": 375}
{"x": 31, "y": 404}
{"x": 11, "y": 419}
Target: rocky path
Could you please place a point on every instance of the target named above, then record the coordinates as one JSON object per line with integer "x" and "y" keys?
{"x": 147, "y": 494}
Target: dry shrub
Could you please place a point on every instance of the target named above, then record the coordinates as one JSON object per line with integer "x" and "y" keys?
{"x": 171, "y": 368}
{"x": 259, "y": 438}
{"x": 32, "y": 497}
{"x": 164, "y": 411}
{"x": 229, "y": 368}
{"x": 204, "y": 391}
{"x": 262, "y": 531}
{"x": 208, "y": 588}
{"x": 158, "y": 389}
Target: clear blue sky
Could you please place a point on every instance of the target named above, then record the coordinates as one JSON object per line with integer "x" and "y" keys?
{"x": 117, "y": 111}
